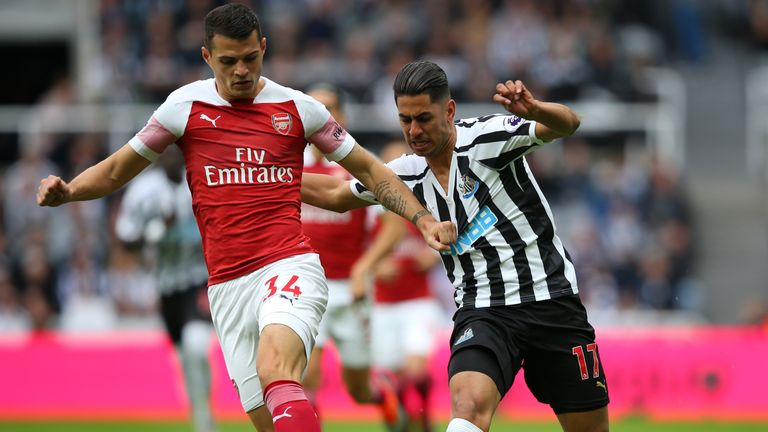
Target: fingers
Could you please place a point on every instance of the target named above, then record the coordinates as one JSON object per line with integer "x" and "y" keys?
{"x": 51, "y": 191}
{"x": 512, "y": 90}
{"x": 442, "y": 234}
{"x": 448, "y": 233}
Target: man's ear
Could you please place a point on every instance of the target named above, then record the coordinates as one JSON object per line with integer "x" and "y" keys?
{"x": 206, "y": 55}
{"x": 450, "y": 110}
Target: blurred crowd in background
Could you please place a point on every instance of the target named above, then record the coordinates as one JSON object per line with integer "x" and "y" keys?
{"x": 622, "y": 213}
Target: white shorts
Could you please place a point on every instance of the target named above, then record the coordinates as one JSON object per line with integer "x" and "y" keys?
{"x": 347, "y": 324}
{"x": 404, "y": 329}
{"x": 291, "y": 291}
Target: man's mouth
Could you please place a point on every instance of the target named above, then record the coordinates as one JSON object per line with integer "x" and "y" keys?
{"x": 240, "y": 84}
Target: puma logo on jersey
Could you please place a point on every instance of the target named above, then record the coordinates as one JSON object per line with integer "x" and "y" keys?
{"x": 601, "y": 385}
{"x": 206, "y": 118}
{"x": 284, "y": 414}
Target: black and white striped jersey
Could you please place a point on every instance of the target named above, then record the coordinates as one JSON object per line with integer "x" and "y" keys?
{"x": 507, "y": 251}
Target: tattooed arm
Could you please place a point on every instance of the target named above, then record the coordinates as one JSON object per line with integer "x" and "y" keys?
{"x": 393, "y": 194}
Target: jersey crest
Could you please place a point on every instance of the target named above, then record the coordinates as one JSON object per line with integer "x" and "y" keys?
{"x": 467, "y": 186}
{"x": 282, "y": 123}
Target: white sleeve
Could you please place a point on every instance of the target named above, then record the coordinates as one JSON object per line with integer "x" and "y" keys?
{"x": 165, "y": 126}
{"x": 504, "y": 139}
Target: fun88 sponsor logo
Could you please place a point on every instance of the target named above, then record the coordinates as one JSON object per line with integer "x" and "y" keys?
{"x": 483, "y": 221}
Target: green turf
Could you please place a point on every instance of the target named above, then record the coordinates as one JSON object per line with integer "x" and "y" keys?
{"x": 627, "y": 425}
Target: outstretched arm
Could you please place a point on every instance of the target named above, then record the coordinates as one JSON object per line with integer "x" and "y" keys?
{"x": 393, "y": 194}
{"x": 553, "y": 120}
{"x": 97, "y": 181}
{"x": 329, "y": 192}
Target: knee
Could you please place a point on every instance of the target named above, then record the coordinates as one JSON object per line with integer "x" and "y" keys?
{"x": 271, "y": 372}
{"x": 472, "y": 409}
{"x": 280, "y": 355}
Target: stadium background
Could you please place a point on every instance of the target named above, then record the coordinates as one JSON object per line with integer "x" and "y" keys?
{"x": 660, "y": 197}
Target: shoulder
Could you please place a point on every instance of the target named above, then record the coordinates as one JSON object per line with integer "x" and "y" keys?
{"x": 409, "y": 167}
{"x": 203, "y": 90}
{"x": 274, "y": 92}
{"x": 489, "y": 128}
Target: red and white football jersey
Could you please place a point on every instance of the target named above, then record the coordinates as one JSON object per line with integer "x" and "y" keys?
{"x": 244, "y": 161}
{"x": 410, "y": 282}
{"x": 338, "y": 237}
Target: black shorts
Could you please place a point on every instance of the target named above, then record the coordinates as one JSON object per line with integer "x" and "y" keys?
{"x": 180, "y": 307}
{"x": 551, "y": 340}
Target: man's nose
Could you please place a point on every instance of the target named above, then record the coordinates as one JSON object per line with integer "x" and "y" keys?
{"x": 414, "y": 130}
{"x": 241, "y": 69}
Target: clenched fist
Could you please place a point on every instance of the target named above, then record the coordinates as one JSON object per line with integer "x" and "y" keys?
{"x": 53, "y": 192}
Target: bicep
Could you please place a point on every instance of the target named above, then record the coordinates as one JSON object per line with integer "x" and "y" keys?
{"x": 544, "y": 133}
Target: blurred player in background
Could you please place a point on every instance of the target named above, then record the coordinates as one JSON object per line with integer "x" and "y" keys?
{"x": 516, "y": 288}
{"x": 243, "y": 138}
{"x": 405, "y": 317}
{"x": 340, "y": 239}
{"x": 155, "y": 215}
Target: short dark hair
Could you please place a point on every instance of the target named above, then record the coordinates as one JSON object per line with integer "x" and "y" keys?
{"x": 235, "y": 21}
{"x": 333, "y": 89}
{"x": 421, "y": 77}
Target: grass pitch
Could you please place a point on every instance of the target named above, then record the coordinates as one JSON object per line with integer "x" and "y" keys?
{"x": 626, "y": 425}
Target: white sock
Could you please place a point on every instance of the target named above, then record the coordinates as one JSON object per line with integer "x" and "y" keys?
{"x": 461, "y": 425}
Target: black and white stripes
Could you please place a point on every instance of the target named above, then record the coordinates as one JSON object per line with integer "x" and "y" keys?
{"x": 508, "y": 251}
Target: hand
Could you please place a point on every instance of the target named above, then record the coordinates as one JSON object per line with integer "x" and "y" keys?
{"x": 438, "y": 235}
{"x": 53, "y": 192}
{"x": 516, "y": 99}
{"x": 358, "y": 283}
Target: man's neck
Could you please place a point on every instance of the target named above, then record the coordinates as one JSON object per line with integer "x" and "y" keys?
{"x": 441, "y": 163}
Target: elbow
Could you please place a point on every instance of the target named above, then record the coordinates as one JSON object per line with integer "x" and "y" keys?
{"x": 576, "y": 124}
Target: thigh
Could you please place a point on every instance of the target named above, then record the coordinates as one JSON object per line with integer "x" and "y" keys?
{"x": 562, "y": 364}
{"x": 237, "y": 330}
{"x": 293, "y": 292}
{"x": 480, "y": 342}
{"x": 587, "y": 421}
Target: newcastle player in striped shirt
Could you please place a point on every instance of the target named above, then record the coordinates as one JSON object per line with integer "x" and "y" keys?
{"x": 515, "y": 284}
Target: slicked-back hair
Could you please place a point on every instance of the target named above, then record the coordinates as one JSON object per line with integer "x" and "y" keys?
{"x": 235, "y": 21}
{"x": 422, "y": 77}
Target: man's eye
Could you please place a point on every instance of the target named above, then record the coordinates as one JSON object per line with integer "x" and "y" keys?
{"x": 227, "y": 61}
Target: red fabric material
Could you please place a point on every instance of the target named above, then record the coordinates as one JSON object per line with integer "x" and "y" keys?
{"x": 410, "y": 282}
{"x": 296, "y": 416}
{"x": 339, "y": 238}
{"x": 245, "y": 178}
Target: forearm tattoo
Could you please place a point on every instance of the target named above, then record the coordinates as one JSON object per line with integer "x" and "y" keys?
{"x": 389, "y": 197}
{"x": 418, "y": 215}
